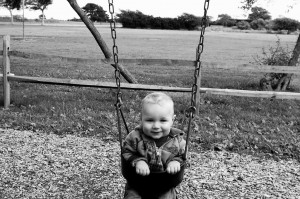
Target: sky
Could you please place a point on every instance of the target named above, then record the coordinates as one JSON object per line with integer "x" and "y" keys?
{"x": 61, "y": 9}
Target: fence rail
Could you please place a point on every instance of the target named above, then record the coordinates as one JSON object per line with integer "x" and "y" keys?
{"x": 208, "y": 65}
{"x": 7, "y": 77}
{"x": 98, "y": 84}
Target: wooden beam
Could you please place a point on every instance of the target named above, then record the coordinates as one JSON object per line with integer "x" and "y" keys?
{"x": 91, "y": 27}
{"x": 6, "y": 70}
{"x": 169, "y": 62}
{"x": 248, "y": 93}
{"x": 89, "y": 83}
{"x": 129, "y": 78}
{"x": 127, "y": 86}
{"x": 253, "y": 68}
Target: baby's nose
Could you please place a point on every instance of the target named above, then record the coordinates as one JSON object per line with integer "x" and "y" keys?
{"x": 155, "y": 125}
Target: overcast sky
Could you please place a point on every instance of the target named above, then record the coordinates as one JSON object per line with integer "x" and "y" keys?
{"x": 61, "y": 9}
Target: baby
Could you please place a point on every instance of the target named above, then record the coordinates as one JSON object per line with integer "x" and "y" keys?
{"x": 154, "y": 145}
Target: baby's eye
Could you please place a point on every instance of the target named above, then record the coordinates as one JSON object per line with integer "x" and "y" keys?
{"x": 163, "y": 120}
{"x": 149, "y": 120}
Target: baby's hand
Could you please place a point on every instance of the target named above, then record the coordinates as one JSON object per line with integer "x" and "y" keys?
{"x": 173, "y": 167}
{"x": 142, "y": 168}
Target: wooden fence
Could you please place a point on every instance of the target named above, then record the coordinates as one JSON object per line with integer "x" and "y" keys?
{"x": 7, "y": 77}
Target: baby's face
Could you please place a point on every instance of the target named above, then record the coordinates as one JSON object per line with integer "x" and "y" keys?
{"x": 157, "y": 120}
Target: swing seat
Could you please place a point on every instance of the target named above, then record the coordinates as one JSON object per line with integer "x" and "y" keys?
{"x": 158, "y": 181}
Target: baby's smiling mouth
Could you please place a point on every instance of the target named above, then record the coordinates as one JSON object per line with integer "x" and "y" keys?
{"x": 155, "y": 132}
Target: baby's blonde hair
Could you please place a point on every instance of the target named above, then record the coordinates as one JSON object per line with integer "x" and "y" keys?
{"x": 158, "y": 98}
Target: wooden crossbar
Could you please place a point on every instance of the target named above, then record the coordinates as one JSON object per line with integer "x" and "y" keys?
{"x": 168, "y": 62}
{"x": 98, "y": 84}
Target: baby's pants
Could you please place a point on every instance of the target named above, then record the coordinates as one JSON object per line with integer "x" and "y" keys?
{"x": 131, "y": 193}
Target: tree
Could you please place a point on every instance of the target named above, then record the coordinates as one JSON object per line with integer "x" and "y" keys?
{"x": 288, "y": 24}
{"x": 134, "y": 19}
{"x": 225, "y": 20}
{"x": 95, "y": 12}
{"x": 243, "y": 25}
{"x": 41, "y": 17}
{"x": 259, "y": 13}
{"x": 39, "y": 5}
{"x": 11, "y": 5}
{"x": 258, "y": 24}
{"x": 189, "y": 21}
{"x": 285, "y": 80}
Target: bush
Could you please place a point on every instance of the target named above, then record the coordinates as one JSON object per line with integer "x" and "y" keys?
{"x": 136, "y": 19}
{"x": 258, "y": 24}
{"x": 288, "y": 24}
{"x": 19, "y": 18}
{"x": 275, "y": 56}
{"x": 5, "y": 19}
{"x": 75, "y": 19}
{"x": 243, "y": 25}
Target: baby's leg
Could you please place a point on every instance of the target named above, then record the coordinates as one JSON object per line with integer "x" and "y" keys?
{"x": 130, "y": 193}
{"x": 171, "y": 194}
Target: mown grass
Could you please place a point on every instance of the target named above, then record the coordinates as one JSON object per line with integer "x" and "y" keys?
{"x": 267, "y": 127}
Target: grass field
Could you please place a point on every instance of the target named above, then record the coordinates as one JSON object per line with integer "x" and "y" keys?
{"x": 240, "y": 124}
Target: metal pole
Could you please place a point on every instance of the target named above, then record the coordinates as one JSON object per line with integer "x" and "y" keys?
{"x": 6, "y": 70}
{"x": 23, "y": 20}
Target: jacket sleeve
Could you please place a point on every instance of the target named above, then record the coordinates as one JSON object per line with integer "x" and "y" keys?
{"x": 130, "y": 150}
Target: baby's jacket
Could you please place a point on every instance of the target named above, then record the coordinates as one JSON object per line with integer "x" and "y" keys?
{"x": 137, "y": 146}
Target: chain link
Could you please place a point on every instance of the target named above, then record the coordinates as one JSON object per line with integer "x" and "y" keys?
{"x": 191, "y": 111}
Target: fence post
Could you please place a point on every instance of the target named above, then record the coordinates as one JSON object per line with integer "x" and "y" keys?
{"x": 198, "y": 93}
{"x": 6, "y": 70}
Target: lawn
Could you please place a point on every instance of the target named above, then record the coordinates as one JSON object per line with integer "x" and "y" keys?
{"x": 267, "y": 129}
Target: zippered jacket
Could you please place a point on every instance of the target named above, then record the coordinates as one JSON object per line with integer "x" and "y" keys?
{"x": 137, "y": 146}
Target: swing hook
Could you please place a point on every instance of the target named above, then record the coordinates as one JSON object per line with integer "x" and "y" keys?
{"x": 190, "y": 112}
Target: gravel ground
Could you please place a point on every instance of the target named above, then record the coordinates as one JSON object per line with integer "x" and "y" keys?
{"x": 39, "y": 165}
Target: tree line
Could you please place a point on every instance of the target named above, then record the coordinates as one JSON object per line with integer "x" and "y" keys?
{"x": 258, "y": 19}
{"x": 40, "y": 5}
{"x": 136, "y": 19}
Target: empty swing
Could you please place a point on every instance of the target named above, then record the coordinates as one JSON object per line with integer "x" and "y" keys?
{"x": 160, "y": 181}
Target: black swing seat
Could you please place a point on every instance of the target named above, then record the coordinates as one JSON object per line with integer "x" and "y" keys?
{"x": 155, "y": 181}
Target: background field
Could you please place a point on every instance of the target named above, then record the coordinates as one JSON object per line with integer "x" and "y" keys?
{"x": 237, "y": 123}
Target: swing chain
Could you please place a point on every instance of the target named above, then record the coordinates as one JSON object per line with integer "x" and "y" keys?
{"x": 192, "y": 110}
{"x": 115, "y": 53}
{"x": 118, "y": 103}
{"x": 190, "y": 113}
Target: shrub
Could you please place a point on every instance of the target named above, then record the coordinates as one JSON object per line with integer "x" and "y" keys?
{"x": 275, "y": 56}
{"x": 75, "y": 19}
{"x": 288, "y": 24}
{"x": 5, "y": 19}
{"x": 258, "y": 24}
{"x": 243, "y": 25}
{"x": 19, "y": 18}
